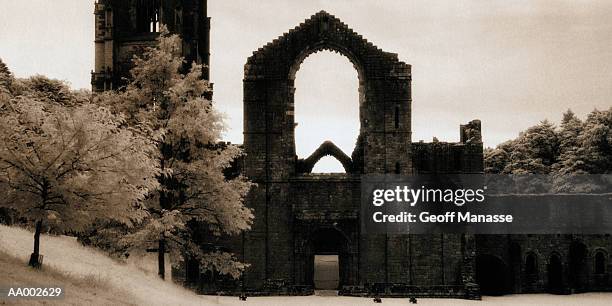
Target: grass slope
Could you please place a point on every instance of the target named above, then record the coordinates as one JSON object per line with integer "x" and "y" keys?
{"x": 92, "y": 278}
{"x": 82, "y": 290}
{"x": 68, "y": 263}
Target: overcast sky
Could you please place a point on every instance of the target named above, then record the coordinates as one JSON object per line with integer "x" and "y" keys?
{"x": 508, "y": 63}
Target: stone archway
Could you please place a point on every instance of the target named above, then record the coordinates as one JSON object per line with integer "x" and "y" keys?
{"x": 385, "y": 99}
{"x": 322, "y": 238}
{"x": 578, "y": 267}
{"x": 328, "y": 148}
{"x": 555, "y": 274}
{"x": 328, "y": 242}
{"x": 493, "y": 275}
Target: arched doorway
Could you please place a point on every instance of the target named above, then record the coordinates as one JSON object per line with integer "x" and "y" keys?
{"x": 328, "y": 259}
{"x": 578, "y": 267}
{"x": 531, "y": 275}
{"x": 555, "y": 274}
{"x": 492, "y": 275}
{"x": 600, "y": 262}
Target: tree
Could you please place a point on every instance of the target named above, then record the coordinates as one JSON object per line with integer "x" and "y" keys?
{"x": 570, "y": 169}
{"x": 65, "y": 161}
{"x": 596, "y": 141}
{"x": 533, "y": 152}
{"x": 570, "y": 149}
{"x": 496, "y": 159}
{"x": 6, "y": 82}
{"x": 187, "y": 130}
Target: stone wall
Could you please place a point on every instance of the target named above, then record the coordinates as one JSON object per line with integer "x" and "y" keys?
{"x": 126, "y": 28}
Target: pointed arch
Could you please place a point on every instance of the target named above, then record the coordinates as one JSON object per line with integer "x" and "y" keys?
{"x": 600, "y": 261}
{"x": 269, "y": 98}
{"x": 327, "y": 148}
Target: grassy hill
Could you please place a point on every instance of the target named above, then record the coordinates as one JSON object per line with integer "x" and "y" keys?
{"x": 82, "y": 289}
{"x": 89, "y": 277}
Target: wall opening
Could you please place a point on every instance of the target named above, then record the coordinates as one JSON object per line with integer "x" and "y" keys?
{"x": 531, "y": 264}
{"x": 154, "y": 23}
{"x": 328, "y": 164}
{"x": 578, "y": 265}
{"x": 145, "y": 16}
{"x": 492, "y": 275}
{"x": 600, "y": 263}
{"x": 397, "y": 117}
{"x": 328, "y": 259}
{"x": 555, "y": 274}
{"x": 326, "y": 103}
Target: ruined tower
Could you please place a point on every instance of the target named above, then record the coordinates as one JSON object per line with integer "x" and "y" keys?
{"x": 124, "y": 28}
{"x": 300, "y": 215}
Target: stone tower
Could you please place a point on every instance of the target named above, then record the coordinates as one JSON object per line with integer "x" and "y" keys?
{"x": 124, "y": 28}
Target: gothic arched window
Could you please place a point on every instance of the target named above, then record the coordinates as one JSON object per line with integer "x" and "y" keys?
{"x": 531, "y": 264}
{"x": 600, "y": 263}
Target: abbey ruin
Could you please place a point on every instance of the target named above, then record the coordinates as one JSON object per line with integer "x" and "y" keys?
{"x": 300, "y": 215}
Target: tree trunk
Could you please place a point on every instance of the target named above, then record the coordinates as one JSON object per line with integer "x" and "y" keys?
{"x": 34, "y": 258}
{"x": 161, "y": 258}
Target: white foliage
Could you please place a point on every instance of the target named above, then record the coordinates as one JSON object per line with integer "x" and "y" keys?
{"x": 67, "y": 161}
{"x": 187, "y": 130}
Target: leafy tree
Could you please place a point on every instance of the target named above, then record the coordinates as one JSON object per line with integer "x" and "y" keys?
{"x": 570, "y": 168}
{"x": 571, "y": 127}
{"x": 187, "y": 130}
{"x": 596, "y": 142}
{"x": 6, "y": 81}
{"x": 496, "y": 159}
{"x": 534, "y": 151}
{"x": 65, "y": 162}
{"x": 5, "y": 75}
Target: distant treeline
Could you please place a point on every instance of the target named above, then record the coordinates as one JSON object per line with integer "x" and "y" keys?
{"x": 574, "y": 147}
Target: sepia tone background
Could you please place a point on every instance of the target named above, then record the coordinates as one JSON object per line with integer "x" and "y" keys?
{"x": 510, "y": 64}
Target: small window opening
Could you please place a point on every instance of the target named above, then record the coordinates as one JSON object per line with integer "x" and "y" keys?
{"x": 531, "y": 264}
{"x": 397, "y": 117}
{"x": 154, "y": 24}
{"x": 600, "y": 263}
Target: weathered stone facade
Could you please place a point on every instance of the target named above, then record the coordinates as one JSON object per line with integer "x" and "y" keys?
{"x": 300, "y": 214}
{"x": 124, "y": 28}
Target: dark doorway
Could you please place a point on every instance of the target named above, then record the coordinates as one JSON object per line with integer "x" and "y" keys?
{"x": 600, "y": 263}
{"x": 328, "y": 259}
{"x": 531, "y": 264}
{"x": 555, "y": 274}
{"x": 578, "y": 265}
{"x": 492, "y": 275}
